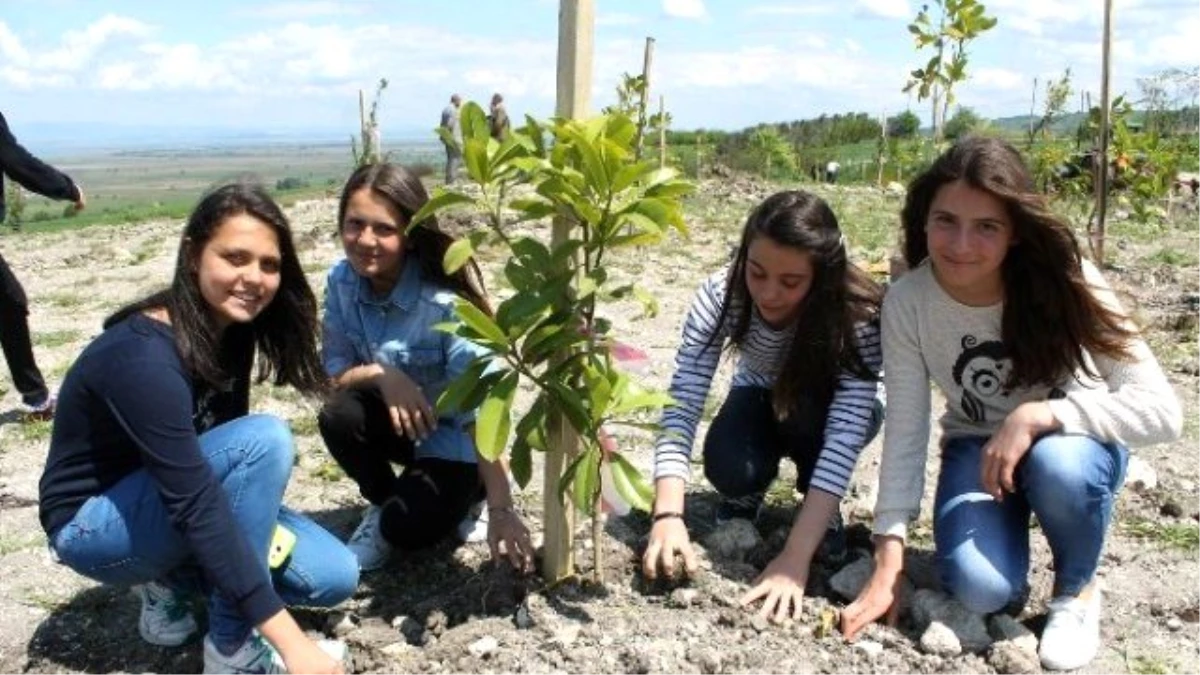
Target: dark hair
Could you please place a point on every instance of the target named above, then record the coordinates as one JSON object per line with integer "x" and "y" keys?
{"x": 426, "y": 241}
{"x": 285, "y": 332}
{"x": 840, "y": 296}
{"x": 1050, "y": 315}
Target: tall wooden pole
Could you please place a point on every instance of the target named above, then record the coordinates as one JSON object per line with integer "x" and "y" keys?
{"x": 1101, "y": 165}
{"x": 576, "y": 19}
{"x": 662, "y": 132}
{"x": 647, "y": 59}
{"x": 1032, "y": 107}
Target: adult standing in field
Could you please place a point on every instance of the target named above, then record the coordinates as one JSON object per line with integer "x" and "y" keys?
{"x": 450, "y": 124}
{"x": 20, "y": 165}
{"x": 498, "y": 122}
{"x": 831, "y": 171}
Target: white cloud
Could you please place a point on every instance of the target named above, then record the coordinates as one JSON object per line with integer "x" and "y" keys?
{"x": 999, "y": 78}
{"x": 685, "y": 9}
{"x": 10, "y": 45}
{"x": 293, "y": 11}
{"x": 889, "y": 9}
{"x": 79, "y": 47}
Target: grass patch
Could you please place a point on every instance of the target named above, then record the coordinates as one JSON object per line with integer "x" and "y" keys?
{"x": 20, "y": 542}
{"x": 328, "y": 471}
{"x": 1172, "y": 257}
{"x": 56, "y": 338}
{"x": 304, "y": 426}
{"x": 1179, "y": 536}
{"x": 67, "y": 300}
{"x": 38, "y": 430}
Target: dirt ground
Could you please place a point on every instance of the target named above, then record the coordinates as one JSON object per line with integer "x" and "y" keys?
{"x": 452, "y": 610}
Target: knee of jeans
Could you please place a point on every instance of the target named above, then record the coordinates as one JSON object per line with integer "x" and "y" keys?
{"x": 976, "y": 585}
{"x": 336, "y": 580}
{"x": 1065, "y": 468}
{"x": 273, "y": 445}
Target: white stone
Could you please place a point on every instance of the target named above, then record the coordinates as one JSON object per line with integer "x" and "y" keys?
{"x": 1004, "y": 628}
{"x": 869, "y": 647}
{"x": 940, "y": 640}
{"x": 1140, "y": 476}
{"x": 483, "y": 647}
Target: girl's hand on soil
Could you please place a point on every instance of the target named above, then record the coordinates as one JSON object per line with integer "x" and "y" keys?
{"x": 668, "y": 538}
{"x": 1008, "y": 445}
{"x": 505, "y": 530}
{"x": 307, "y": 657}
{"x": 412, "y": 416}
{"x": 881, "y": 595}
{"x": 780, "y": 587}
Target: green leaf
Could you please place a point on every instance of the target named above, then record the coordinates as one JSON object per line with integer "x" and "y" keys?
{"x": 630, "y": 483}
{"x": 481, "y": 323}
{"x": 492, "y": 423}
{"x": 521, "y": 311}
{"x": 533, "y": 209}
{"x": 475, "y": 156}
{"x": 457, "y": 255}
{"x": 570, "y": 404}
{"x": 460, "y": 390}
{"x": 442, "y": 199}
{"x": 637, "y": 398}
{"x": 473, "y": 122}
{"x": 520, "y": 462}
{"x": 585, "y": 480}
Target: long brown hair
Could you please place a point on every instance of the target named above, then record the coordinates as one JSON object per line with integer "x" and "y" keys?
{"x": 285, "y": 332}
{"x": 426, "y": 241}
{"x": 1051, "y": 317}
{"x": 840, "y": 296}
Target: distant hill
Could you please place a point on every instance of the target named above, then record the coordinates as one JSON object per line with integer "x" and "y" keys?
{"x": 1065, "y": 125}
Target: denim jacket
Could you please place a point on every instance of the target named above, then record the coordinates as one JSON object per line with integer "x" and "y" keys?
{"x": 360, "y": 328}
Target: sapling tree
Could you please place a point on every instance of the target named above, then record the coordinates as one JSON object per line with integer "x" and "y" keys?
{"x": 369, "y": 129}
{"x": 549, "y": 333}
{"x": 959, "y": 22}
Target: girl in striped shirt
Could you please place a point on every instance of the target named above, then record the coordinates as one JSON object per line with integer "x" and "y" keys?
{"x": 802, "y": 323}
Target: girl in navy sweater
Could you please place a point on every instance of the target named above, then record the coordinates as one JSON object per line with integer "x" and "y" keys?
{"x": 157, "y": 476}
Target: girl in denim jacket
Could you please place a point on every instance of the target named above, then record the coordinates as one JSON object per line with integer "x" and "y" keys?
{"x": 388, "y": 365}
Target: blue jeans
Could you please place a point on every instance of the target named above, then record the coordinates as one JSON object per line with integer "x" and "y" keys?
{"x": 124, "y": 536}
{"x": 1068, "y": 481}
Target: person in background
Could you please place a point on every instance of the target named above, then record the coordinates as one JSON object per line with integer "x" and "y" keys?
{"x": 33, "y": 174}
{"x": 498, "y": 122}
{"x": 450, "y": 123}
{"x": 1047, "y": 384}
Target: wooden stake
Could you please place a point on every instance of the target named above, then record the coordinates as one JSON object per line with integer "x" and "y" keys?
{"x": 576, "y": 19}
{"x": 1097, "y": 235}
{"x": 647, "y": 59}
{"x": 662, "y": 132}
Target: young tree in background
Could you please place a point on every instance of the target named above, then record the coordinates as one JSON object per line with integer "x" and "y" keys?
{"x": 959, "y": 23}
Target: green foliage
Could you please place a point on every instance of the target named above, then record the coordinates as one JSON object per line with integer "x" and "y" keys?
{"x": 291, "y": 183}
{"x": 964, "y": 121}
{"x": 548, "y": 334}
{"x": 772, "y": 151}
{"x": 959, "y": 23}
{"x": 904, "y": 125}
{"x": 1057, "y": 93}
{"x": 1180, "y": 536}
{"x": 14, "y": 199}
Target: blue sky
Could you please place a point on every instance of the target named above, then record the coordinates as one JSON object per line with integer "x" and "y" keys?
{"x": 252, "y": 65}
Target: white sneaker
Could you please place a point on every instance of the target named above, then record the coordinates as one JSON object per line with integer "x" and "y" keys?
{"x": 367, "y": 543}
{"x": 166, "y": 618}
{"x": 474, "y": 527}
{"x": 1072, "y": 635}
{"x": 256, "y": 655}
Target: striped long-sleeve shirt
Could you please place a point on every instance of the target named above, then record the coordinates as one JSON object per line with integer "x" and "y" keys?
{"x": 759, "y": 359}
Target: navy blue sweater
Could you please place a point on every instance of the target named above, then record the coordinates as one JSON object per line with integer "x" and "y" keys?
{"x": 33, "y": 173}
{"x": 127, "y": 404}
